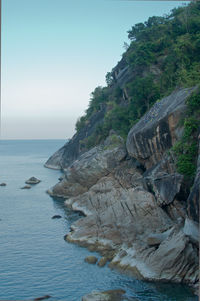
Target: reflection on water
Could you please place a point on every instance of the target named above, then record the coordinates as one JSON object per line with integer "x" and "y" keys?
{"x": 35, "y": 259}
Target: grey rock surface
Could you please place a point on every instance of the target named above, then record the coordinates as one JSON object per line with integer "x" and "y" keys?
{"x": 157, "y": 131}
{"x": 90, "y": 167}
{"x": 33, "y": 180}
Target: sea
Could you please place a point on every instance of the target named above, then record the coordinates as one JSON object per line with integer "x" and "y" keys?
{"x": 35, "y": 260}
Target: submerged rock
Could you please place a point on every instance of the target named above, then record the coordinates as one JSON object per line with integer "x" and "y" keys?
{"x": 56, "y": 216}
{"x": 111, "y": 295}
{"x": 91, "y": 259}
{"x": 26, "y": 187}
{"x": 3, "y": 184}
{"x": 42, "y": 298}
{"x": 33, "y": 180}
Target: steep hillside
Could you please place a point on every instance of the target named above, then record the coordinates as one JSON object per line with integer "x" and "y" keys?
{"x": 133, "y": 165}
{"x": 163, "y": 55}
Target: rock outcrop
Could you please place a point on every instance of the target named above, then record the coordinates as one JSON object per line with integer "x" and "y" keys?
{"x": 90, "y": 167}
{"x": 137, "y": 212}
{"x": 158, "y": 129}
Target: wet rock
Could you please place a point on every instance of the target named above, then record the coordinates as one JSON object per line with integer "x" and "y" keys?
{"x": 3, "y": 184}
{"x": 91, "y": 259}
{"x": 111, "y": 295}
{"x": 56, "y": 216}
{"x": 102, "y": 262}
{"x": 33, "y": 180}
{"x": 42, "y": 298}
{"x": 26, "y": 187}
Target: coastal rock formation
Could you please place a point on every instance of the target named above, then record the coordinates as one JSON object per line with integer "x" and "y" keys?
{"x": 138, "y": 213}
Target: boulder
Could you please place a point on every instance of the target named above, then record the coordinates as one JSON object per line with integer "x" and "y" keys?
{"x": 111, "y": 295}
{"x": 91, "y": 259}
{"x": 102, "y": 262}
{"x": 33, "y": 180}
{"x": 163, "y": 180}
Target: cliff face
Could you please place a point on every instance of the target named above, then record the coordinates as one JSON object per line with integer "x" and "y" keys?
{"x": 137, "y": 210}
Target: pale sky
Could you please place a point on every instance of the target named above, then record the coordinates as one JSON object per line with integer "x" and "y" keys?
{"x": 54, "y": 54}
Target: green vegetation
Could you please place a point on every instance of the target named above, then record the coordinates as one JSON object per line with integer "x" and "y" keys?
{"x": 164, "y": 54}
{"x": 187, "y": 148}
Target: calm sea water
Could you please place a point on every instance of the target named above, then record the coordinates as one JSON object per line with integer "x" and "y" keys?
{"x": 34, "y": 258}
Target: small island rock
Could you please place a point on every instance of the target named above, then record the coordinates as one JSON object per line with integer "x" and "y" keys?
{"x": 33, "y": 180}
{"x": 91, "y": 259}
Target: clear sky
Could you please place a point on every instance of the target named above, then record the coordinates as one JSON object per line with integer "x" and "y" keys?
{"x": 54, "y": 54}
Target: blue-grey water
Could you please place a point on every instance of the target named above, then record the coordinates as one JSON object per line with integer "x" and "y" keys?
{"x": 34, "y": 258}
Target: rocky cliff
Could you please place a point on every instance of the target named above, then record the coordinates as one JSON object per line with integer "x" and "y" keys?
{"x": 139, "y": 193}
{"x": 137, "y": 210}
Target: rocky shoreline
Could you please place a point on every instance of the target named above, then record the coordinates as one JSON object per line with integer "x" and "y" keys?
{"x": 138, "y": 213}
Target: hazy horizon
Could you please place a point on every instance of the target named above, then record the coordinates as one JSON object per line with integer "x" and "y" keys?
{"x": 55, "y": 53}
